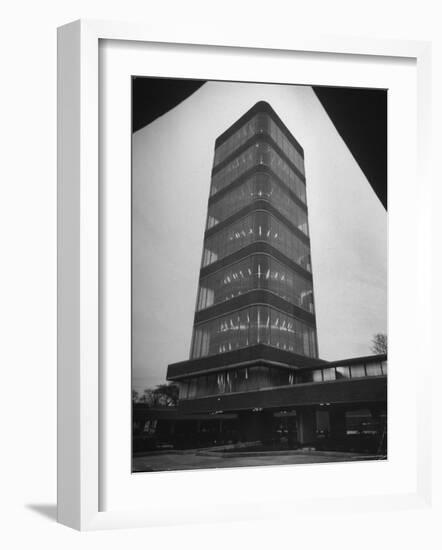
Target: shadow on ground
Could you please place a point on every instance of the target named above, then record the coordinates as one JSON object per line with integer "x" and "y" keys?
{"x": 49, "y": 511}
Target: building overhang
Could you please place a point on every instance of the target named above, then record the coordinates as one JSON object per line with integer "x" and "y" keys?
{"x": 255, "y": 297}
{"x": 251, "y": 355}
{"x": 361, "y": 391}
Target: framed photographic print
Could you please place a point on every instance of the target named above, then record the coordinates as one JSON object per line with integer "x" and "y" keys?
{"x": 229, "y": 278}
{"x": 254, "y": 387}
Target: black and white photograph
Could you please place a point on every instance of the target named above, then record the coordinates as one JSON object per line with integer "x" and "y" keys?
{"x": 259, "y": 274}
{"x": 221, "y": 265}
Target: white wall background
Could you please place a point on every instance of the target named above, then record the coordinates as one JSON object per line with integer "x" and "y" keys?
{"x": 28, "y": 278}
{"x": 172, "y": 160}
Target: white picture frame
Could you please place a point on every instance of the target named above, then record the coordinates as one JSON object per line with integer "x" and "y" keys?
{"x": 79, "y": 265}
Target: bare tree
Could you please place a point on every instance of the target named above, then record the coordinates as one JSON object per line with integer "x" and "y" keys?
{"x": 379, "y": 343}
{"x": 149, "y": 398}
{"x": 164, "y": 395}
{"x": 167, "y": 394}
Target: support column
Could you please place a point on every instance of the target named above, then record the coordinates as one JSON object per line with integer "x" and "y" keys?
{"x": 291, "y": 432}
{"x": 306, "y": 425}
{"x": 338, "y": 426}
{"x": 379, "y": 415}
{"x": 266, "y": 422}
{"x": 247, "y": 426}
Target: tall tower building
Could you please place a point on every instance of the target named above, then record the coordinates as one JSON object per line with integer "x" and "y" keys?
{"x": 254, "y": 319}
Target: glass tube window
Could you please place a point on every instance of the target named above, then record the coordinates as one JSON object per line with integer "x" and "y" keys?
{"x": 250, "y": 326}
{"x": 257, "y": 272}
{"x": 357, "y": 371}
{"x": 258, "y": 187}
{"x": 373, "y": 369}
{"x": 252, "y": 378}
{"x": 309, "y": 376}
{"x": 343, "y": 372}
{"x": 329, "y": 374}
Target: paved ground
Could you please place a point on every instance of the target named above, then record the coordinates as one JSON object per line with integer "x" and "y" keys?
{"x": 192, "y": 460}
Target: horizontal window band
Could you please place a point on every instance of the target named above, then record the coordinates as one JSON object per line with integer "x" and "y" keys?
{"x": 188, "y": 374}
{"x": 258, "y": 255}
{"x": 255, "y": 248}
{"x": 258, "y": 169}
{"x": 259, "y": 297}
{"x": 260, "y": 107}
{"x": 258, "y": 205}
{"x": 258, "y": 138}
{"x": 261, "y": 354}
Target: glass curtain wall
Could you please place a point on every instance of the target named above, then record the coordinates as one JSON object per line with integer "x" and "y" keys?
{"x": 251, "y": 326}
{"x": 284, "y": 144}
{"x": 257, "y": 162}
{"x": 259, "y": 154}
{"x": 259, "y": 124}
{"x": 256, "y": 125}
{"x": 258, "y": 187}
{"x": 258, "y": 226}
{"x": 256, "y": 272}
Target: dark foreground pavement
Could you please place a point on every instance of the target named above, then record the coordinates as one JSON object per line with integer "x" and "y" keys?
{"x": 203, "y": 459}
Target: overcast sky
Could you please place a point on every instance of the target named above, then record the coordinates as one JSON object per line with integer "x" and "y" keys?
{"x": 172, "y": 161}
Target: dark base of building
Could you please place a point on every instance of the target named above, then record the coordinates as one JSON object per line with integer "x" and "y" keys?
{"x": 333, "y": 428}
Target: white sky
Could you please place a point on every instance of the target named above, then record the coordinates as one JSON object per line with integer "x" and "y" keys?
{"x": 172, "y": 161}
